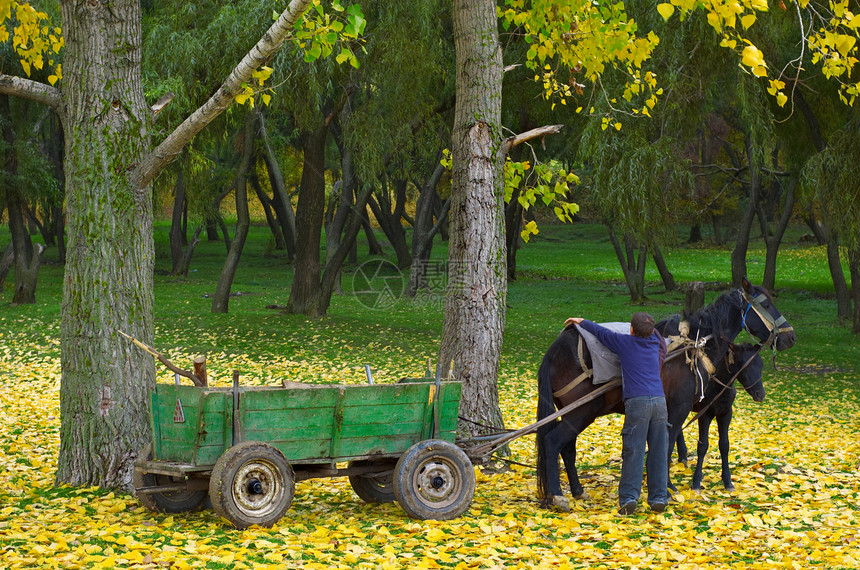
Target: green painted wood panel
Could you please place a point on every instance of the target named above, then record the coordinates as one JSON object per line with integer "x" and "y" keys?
{"x": 312, "y": 425}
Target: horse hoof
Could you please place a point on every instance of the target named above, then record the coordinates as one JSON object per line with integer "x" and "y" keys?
{"x": 560, "y": 503}
{"x": 584, "y": 496}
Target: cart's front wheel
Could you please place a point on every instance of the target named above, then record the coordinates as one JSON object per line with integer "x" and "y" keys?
{"x": 252, "y": 484}
{"x": 168, "y": 502}
{"x": 434, "y": 479}
{"x": 375, "y": 487}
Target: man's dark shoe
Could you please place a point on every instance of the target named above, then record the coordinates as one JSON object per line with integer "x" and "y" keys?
{"x": 627, "y": 508}
{"x": 658, "y": 507}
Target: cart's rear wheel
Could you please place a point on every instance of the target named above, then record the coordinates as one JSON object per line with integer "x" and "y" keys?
{"x": 434, "y": 479}
{"x": 170, "y": 502}
{"x": 252, "y": 484}
{"x": 375, "y": 487}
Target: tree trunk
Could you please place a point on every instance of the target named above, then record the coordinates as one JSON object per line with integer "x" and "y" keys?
{"x": 474, "y": 317}
{"x": 663, "y": 269}
{"x": 390, "y": 220}
{"x": 269, "y": 210}
{"x": 373, "y": 247}
{"x": 281, "y": 196}
{"x": 107, "y": 288}
{"x": 423, "y": 232}
{"x": 27, "y": 256}
{"x": 633, "y": 270}
{"x": 695, "y": 233}
{"x": 221, "y": 298}
{"x": 309, "y": 218}
{"x": 773, "y": 239}
{"x": 6, "y": 260}
{"x": 340, "y": 208}
{"x": 854, "y": 269}
{"x": 837, "y": 274}
{"x": 513, "y": 209}
{"x": 176, "y": 233}
{"x": 739, "y": 253}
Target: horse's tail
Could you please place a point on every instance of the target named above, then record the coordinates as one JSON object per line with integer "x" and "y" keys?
{"x": 545, "y": 407}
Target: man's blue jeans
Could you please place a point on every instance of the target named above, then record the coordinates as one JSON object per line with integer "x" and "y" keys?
{"x": 645, "y": 419}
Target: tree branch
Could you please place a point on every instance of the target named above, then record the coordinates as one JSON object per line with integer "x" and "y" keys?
{"x": 32, "y": 90}
{"x": 232, "y": 86}
{"x": 513, "y": 141}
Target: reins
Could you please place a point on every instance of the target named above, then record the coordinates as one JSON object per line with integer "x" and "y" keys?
{"x": 725, "y": 386}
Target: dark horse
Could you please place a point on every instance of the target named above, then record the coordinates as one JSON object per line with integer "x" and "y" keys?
{"x": 716, "y": 325}
{"x": 744, "y": 363}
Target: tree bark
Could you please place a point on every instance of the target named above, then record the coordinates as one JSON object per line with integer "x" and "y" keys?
{"x": 106, "y": 380}
{"x": 309, "y": 218}
{"x": 474, "y": 316}
{"x": 773, "y": 239}
{"x": 221, "y": 298}
{"x": 177, "y": 252}
{"x": 663, "y": 269}
{"x": 269, "y": 210}
{"x": 633, "y": 269}
{"x": 837, "y": 274}
{"x": 281, "y": 196}
{"x": 390, "y": 220}
{"x": 423, "y": 232}
{"x": 854, "y": 270}
{"x": 6, "y": 260}
{"x": 739, "y": 253}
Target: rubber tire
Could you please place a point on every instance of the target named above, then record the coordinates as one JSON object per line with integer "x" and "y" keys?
{"x": 435, "y": 480}
{"x": 374, "y": 487}
{"x": 241, "y": 465}
{"x": 173, "y": 502}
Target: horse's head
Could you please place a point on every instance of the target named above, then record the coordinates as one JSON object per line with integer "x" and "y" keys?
{"x": 763, "y": 320}
{"x": 748, "y": 356}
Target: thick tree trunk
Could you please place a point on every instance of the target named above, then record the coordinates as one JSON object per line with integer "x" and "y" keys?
{"x": 837, "y": 275}
{"x": 309, "y": 218}
{"x": 477, "y": 284}
{"x": 739, "y": 253}
{"x": 373, "y": 247}
{"x": 221, "y": 298}
{"x": 106, "y": 380}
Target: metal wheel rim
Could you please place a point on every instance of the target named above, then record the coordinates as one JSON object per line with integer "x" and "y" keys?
{"x": 174, "y": 496}
{"x": 273, "y": 488}
{"x": 427, "y": 478}
{"x": 382, "y": 482}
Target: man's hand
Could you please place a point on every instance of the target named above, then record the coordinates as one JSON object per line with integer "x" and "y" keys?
{"x": 572, "y": 321}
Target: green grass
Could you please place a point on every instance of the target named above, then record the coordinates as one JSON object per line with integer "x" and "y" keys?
{"x": 564, "y": 271}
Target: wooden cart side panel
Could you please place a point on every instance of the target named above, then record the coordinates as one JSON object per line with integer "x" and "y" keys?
{"x": 215, "y": 432}
{"x": 199, "y": 437}
{"x": 337, "y": 422}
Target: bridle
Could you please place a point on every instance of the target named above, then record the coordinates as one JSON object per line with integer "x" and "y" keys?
{"x": 774, "y": 325}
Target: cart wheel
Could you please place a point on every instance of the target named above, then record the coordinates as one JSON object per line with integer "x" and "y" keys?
{"x": 375, "y": 487}
{"x": 172, "y": 502}
{"x": 252, "y": 484}
{"x": 434, "y": 479}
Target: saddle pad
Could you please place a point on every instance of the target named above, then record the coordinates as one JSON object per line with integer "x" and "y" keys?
{"x": 606, "y": 364}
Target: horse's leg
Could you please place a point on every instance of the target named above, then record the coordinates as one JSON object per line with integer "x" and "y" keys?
{"x": 723, "y": 421}
{"x": 677, "y": 414}
{"x": 682, "y": 449}
{"x": 701, "y": 450}
{"x": 568, "y": 455}
{"x": 559, "y": 438}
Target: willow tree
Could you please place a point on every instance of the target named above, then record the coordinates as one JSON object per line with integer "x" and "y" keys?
{"x": 110, "y": 164}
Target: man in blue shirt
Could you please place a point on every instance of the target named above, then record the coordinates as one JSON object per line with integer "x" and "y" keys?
{"x": 645, "y": 419}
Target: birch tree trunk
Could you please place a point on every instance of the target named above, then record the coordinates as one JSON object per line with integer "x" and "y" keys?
{"x": 108, "y": 282}
{"x": 477, "y": 287}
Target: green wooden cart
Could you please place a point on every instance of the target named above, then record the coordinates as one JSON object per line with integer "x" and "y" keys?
{"x": 245, "y": 447}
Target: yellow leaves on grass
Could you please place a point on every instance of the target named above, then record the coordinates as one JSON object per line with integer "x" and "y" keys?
{"x": 794, "y": 465}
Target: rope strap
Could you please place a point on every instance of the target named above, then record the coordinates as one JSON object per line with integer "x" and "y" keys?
{"x": 586, "y": 372}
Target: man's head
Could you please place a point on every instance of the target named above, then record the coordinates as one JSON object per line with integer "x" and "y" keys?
{"x": 642, "y": 324}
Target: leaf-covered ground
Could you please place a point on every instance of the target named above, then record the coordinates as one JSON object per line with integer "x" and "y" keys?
{"x": 795, "y": 459}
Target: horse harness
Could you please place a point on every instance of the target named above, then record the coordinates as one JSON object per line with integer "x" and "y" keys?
{"x": 755, "y": 303}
